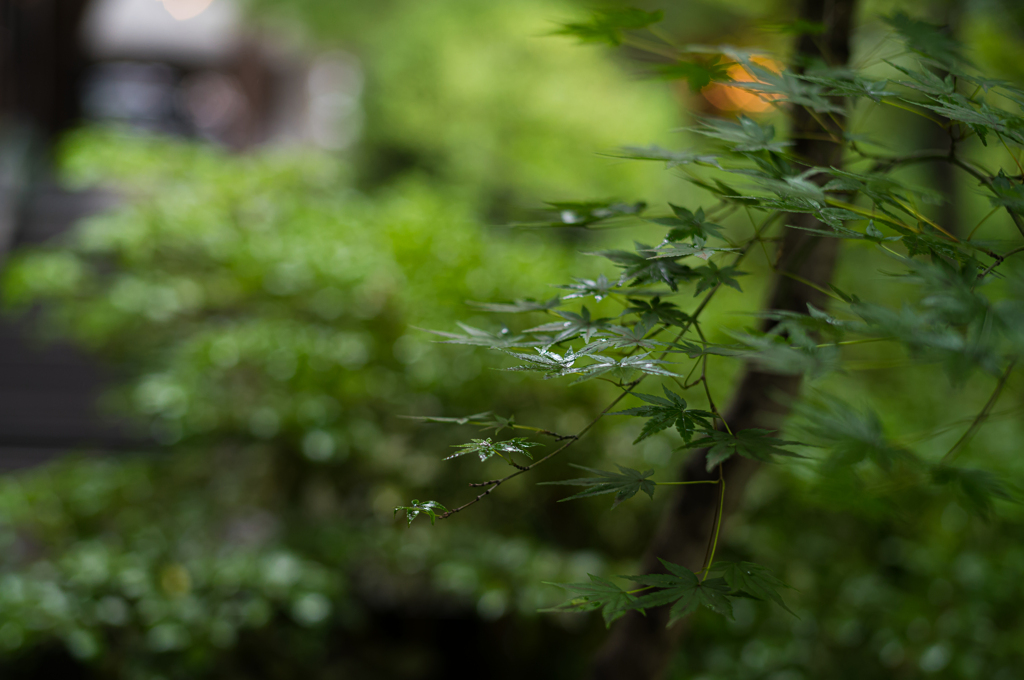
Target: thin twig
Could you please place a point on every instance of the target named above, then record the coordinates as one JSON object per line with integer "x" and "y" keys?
{"x": 999, "y": 260}
{"x": 495, "y": 483}
{"x": 980, "y": 419}
{"x": 709, "y": 557}
{"x": 696, "y": 481}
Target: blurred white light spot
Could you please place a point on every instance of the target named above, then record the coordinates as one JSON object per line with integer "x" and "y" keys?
{"x": 141, "y": 30}
{"x": 492, "y": 605}
{"x": 935, "y": 658}
{"x": 333, "y": 89}
{"x": 891, "y": 655}
{"x": 318, "y": 446}
{"x": 281, "y": 570}
{"x": 186, "y": 9}
{"x": 311, "y": 609}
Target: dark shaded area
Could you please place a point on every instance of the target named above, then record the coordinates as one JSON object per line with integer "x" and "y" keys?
{"x": 41, "y": 63}
{"x": 393, "y": 644}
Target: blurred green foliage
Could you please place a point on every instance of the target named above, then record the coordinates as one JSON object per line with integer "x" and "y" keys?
{"x": 267, "y": 314}
{"x": 263, "y": 309}
{"x": 479, "y": 97}
{"x": 920, "y": 590}
{"x": 264, "y": 312}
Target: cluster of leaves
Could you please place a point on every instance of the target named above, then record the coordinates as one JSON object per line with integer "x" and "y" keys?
{"x": 668, "y": 411}
{"x": 485, "y": 448}
{"x": 146, "y": 565}
{"x": 679, "y": 587}
{"x": 856, "y": 445}
{"x": 417, "y": 508}
{"x": 945, "y": 316}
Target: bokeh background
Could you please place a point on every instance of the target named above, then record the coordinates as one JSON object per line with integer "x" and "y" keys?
{"x": 224, "y": 226}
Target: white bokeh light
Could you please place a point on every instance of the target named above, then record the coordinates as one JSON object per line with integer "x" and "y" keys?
{"x": 186, "y": 9}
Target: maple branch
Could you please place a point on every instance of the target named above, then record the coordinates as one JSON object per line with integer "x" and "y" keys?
{"x": 982, "y": 416}
{"x": 571, "y": 439}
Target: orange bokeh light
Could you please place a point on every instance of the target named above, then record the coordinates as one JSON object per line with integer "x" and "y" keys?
{"x": 731, "y": 98}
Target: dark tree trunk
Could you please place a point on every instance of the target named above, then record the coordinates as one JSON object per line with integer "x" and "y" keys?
{"x": 640, "y": 647}
{"x": 943, "y": 175}
{"x": 40, "y": 63}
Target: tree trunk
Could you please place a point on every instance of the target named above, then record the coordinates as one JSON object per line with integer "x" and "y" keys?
{"x": 943, "y": 175}
{"x": 640, "y": 647}
{"x": 41, "y": 63}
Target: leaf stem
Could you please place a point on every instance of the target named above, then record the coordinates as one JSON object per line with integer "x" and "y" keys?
{"x": 980, "y": 419}
{"x": 860, "y": 341}
{"x": 984, "y": 219}
{"x": 809, "y": 284}
{"x": 704, "y": 379}
{"x": 871, "y": 215}
{"x": 697, "y": 481}
{"x": 718, "y": 525}
{"x": 938, "y": 122}
{"x": 649, "y": 47}
{"x": 999, "y": 260}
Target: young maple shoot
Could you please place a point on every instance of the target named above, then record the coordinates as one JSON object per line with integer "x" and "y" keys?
{"x": 951, "y": 316}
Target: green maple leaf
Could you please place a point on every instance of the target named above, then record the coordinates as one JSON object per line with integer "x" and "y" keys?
{"x": 753, "y": 579}
{"x": 417, "y": 508}
{"x": 487, "y": 420}
{"x": 624, "y": 366}
{"x": 854, "y": 87}
{"x": 502, "y": 339}
{"x": 696, "y": 249}
{"x": 850, "y": 435}
{"x": 620, "y": 337}
{"x": 686, "y": 224}
{"x": 1007, "y": 194}
{"x": 743, "y": 135}
{"x": 924, "y": 80}
{"x": 552, "y": 364}
{"x": 753, "y": 443}
{"x": 601, "y": 594}
{"x": 791, "y": 355}
{"x": 927, "y": 244}
{"x": 586, "y": 213}
{"x": 983, "y": 119}
{"x": 574, "y": 324}
{"x": 659, "y": 310}
{"x": 457, "y": 420}
{"x": 673, "y": 159}
{"x": 682, "y": 587}
{"x": 516, "y": 306}
{"x": 485, "y": 448}
{"x": 698, "y": 74}
{"x": 664, "y": 412}
{"x": 977, "y": 489}
{"x": 879, "y": 188}
{"x": 926, "y": 39}
{"x": 598, "y": 288}
{"x": 787, "y": 87}
{"x": 608, "y": 26}
{"x": 712, "y": 275}
{"x": 624, "y": 484}
{"x": 641, "y": 270}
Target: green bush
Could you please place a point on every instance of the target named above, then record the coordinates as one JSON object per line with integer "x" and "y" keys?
{"x": 265, "y": 315}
